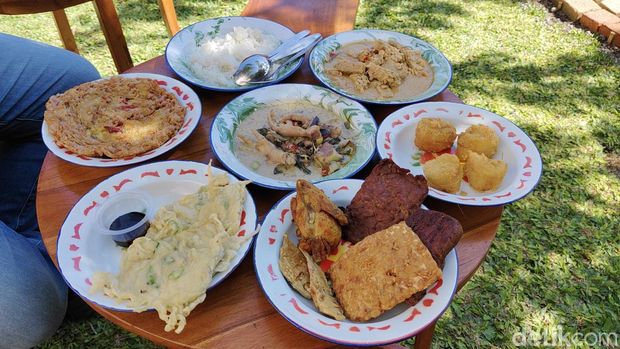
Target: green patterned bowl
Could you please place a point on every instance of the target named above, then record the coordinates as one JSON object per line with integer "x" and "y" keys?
{"x": 181, "y": 46}
{"x": 441, "y": 66}
{"x": 224, "y": 127}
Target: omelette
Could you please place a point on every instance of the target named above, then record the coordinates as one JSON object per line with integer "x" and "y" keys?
{"x": 170, "y": 268}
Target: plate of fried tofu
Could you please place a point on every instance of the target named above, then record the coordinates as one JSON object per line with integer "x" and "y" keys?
{"x": 353, "y": 286}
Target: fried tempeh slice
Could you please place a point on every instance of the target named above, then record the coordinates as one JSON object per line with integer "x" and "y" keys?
{"x": 389, "y": 195}
{"x": 322, "y": 293}
{"x": 294, "y": 267}
{"x": 382, "y": 271}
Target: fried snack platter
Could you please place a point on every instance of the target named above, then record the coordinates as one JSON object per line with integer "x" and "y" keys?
{"x": 402, "y": 321}
{"x": 184, "y": 95}
{"x": 82, "y": 252}
{"x": 396, "y": 137}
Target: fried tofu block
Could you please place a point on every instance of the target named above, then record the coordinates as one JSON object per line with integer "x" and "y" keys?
{"x": 389, "y": 195}
{"x": 322, "y": 294}
{"x": 294, "y": 267}
{"x": 382, "y": 271}
{"x": 444, "y": 173}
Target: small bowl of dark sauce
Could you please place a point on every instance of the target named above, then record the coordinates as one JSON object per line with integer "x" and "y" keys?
{"x": 125, "y": 217}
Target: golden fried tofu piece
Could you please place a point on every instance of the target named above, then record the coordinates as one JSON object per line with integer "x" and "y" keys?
{"x": 322, "y": 294}
{"x": 318, "y": 220}
{"x": 382, "y": 271}
{"x": 444, "y": 173}
{"x": 294, "y": 267}
{"x": 434, "y": 134}
{"x": 480, "y": 139}
{"x": 483, "y": 173}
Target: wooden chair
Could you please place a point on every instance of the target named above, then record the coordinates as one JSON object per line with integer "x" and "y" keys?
{"x": 108, "y": 20}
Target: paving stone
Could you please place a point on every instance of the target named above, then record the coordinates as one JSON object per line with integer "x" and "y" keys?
{"x": 612, "y": 6}
{"x": 575, "y": 8}
{"x": 594, "y": 19}
{"x": 607, "y": 29}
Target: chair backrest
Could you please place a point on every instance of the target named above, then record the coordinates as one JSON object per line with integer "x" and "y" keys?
{"x": 24, "y": 7}
{"x": 108, "y": 21}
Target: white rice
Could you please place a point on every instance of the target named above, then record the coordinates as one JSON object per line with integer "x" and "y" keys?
{"x": 215, "y": 60}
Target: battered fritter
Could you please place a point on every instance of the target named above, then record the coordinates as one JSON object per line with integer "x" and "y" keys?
{"x": 115, "y": 118}
{"x": 382, "y": 271}
{"x": 318, "y": 220}
{"x": 389, "y": 195}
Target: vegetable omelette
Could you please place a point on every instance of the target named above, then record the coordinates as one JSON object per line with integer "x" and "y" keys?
{"x": 188, "y": 241}
{"x": 115, "y": 118}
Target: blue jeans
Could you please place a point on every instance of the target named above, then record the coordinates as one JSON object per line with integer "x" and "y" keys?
{"x": 33, "y": 295}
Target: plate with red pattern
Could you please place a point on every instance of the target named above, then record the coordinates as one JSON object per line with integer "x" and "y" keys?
{"x": 186, "y": 97}
{"x": 395, "y": 140}
{"x": 81, "y": 251}
{"x": 399, "y": 323}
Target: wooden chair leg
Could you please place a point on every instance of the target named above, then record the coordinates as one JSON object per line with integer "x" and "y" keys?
{"x": 64, "y": 29}
{"x": 170, "y": 16}
{"x": 424, "y": 339}
{"x": 111, "y": 27}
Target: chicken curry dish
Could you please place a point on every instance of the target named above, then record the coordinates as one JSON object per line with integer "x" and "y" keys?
{"x": 294, "y": 140}
{"x": 379, "y": 70}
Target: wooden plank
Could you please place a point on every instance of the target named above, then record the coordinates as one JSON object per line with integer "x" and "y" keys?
{"x": 326, "y": 16}
{"x": 64, "y": 29}
{"x": 111, "y": 27}
{"x": 169, "y": 15}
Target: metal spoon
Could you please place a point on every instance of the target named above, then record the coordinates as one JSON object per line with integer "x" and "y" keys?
{"x": 257, "y": 66}
{"x": 269, "y": 74}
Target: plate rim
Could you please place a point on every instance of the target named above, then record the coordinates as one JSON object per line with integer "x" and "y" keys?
{"x": 381, "y": 102}
{"x": 249, "y": 243}
{"x": 335, "y": 340}
{"x": 51, "y": 147}
{"x": 202, "y": 85}
{"x": 269, "y": 186}
{"x": 455, "y": 200}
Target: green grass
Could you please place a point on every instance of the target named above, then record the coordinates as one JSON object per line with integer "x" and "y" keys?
{"x": 556, "y": 259}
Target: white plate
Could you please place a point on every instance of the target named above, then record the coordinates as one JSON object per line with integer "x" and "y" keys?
{"x": 223, "y": 129}
{"x": 397, "y": 324}
{"x": 395, "y": 141}
{"x": 186, "y": 41}
{"x": 186, "y": 97}
{"x": 439, "y": 63}
{"x": 81, "y": 251}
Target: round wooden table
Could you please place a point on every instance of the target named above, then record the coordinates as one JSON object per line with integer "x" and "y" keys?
{"x": 236, "y": 314}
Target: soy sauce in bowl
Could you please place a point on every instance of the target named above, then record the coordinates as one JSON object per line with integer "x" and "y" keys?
{"x": 126, "y": 221}
{"x": 124, "y": 217}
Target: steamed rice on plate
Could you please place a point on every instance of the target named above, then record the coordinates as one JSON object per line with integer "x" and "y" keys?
{"x": 215, "y": 60}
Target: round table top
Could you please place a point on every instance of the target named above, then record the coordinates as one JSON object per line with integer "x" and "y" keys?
{"x": 236, "y": 313}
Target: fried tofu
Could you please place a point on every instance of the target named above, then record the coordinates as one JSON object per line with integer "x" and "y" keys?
{"x": 381, "y": 271}
{"x": 318, "y": 220}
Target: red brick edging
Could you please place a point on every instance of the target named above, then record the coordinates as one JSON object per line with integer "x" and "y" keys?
{"x": 598, "y": 16}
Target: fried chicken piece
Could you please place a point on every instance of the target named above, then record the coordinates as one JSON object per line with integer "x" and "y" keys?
{"x": 389, "y": 195}
{"x": 318, "y": 220}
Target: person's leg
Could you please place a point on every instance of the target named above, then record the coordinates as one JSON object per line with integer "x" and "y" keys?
{"x": 34, "y": 296}
{"x": 31, "y": 73}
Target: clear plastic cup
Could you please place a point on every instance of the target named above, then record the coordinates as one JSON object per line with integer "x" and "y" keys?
{"x": 127, "y": 210}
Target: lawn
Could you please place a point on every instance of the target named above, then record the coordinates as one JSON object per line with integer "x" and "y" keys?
{"x": 556, "y": 260}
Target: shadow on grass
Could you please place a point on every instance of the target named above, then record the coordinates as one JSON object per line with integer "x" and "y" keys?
{"x": 424, "y": 13}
